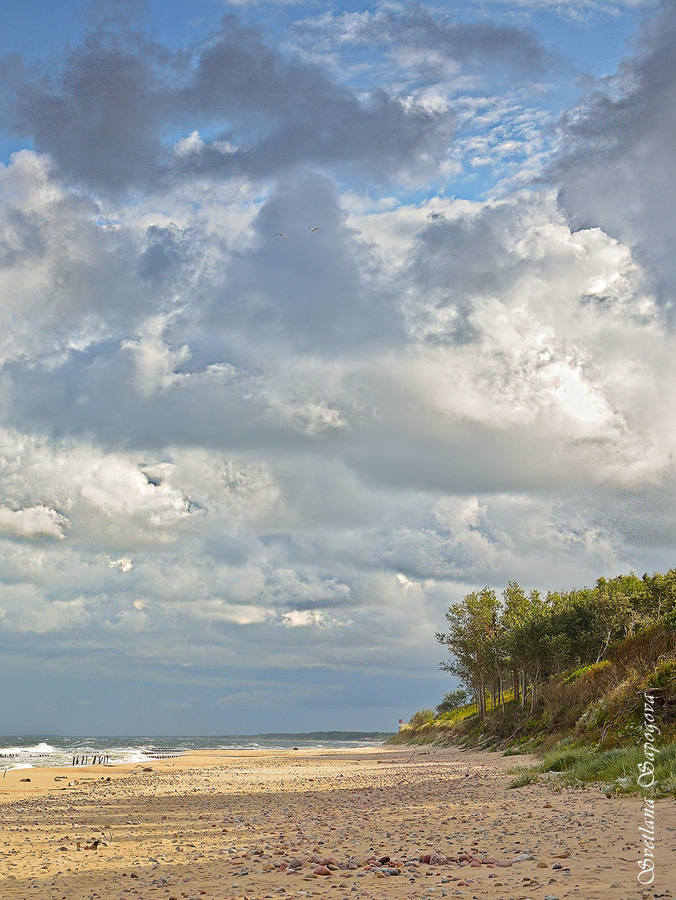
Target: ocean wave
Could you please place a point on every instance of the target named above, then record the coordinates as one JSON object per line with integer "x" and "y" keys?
{"x": 84, "y": 750}
{"x": 40, "y": 748}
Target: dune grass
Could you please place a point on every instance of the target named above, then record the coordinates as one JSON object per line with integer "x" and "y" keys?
{"x": 615, "y": 771}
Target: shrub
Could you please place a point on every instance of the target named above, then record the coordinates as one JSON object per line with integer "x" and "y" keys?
{"x": 644, "y": 649}
{"x": 669, "y": 619}
{"x": 590, "y": 672}
{"x": 664, "y": 675}
{"x": 453, "y": 700}
{"x": 422, "y": 717}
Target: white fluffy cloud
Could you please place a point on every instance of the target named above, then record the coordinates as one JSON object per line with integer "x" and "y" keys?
{"x": 33, "y": 521}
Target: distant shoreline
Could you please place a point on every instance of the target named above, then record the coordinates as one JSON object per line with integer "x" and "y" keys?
{"x": 313, "y": 735}
{"x": 38, "y": 751}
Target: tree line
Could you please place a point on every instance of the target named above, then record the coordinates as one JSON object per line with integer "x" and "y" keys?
{"x": 517, "y": 642}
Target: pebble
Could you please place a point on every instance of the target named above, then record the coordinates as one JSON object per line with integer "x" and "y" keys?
{"x": 322, "y": 870}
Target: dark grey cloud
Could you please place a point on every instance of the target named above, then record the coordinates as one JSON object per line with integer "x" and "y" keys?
{"x": 452, "y": 263}
{"x": 98, "y": 115}
{"x": 289, "y": 112}
{"x": 432, "y": 41}
{"x": 166, "y": 255}
{"x": 312, "y": 291}
{"x": 617, "y": 167}
{"x": 109, "y": 113}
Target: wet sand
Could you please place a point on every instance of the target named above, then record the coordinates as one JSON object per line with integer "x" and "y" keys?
{"x": 365, "y": 824}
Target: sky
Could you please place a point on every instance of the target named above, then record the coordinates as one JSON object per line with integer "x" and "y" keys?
{"x": 315, "y": 318}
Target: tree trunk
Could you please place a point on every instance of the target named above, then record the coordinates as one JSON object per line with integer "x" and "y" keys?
{"x": 534, "y": 691}
{"x": 515, "y": 683}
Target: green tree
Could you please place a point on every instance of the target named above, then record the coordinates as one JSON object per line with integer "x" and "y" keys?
{"x": 514, "y": 613}
{"x": 661, "y": 594}
{"x": 624, "y": 604}
{"x": 451, "y": 701}
{"x": 470, "y": 640}
{"x": 525, "y": 629}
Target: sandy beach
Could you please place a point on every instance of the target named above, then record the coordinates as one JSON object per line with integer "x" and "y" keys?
{"x": 372, "y": 823}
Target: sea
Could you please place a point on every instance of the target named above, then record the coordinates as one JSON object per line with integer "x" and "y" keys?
{"x": 29, "y": 751}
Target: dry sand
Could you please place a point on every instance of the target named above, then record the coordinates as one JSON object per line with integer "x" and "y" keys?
{"x": 228, "y": 824}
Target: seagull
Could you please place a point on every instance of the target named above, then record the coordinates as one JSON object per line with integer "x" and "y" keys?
{"x": 281, "y": 234}
{"x": 316, "y": 228}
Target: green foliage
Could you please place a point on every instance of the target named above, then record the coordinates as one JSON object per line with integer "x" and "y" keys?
{"x": 664, "y": 675}
{"x": 665, "y": 771}
{"x": 473, "y": 641}
{"x": 520, "y": 645}
{"x": 515, "y": 751}
{"x": 615, "y": 771}
{"x": 524, "y": 778}
{"x": 588, "y": 671}
{"x": 452, "y": 701}
{"x": 562, "y": 674}
{"x": 661, "y": 597}
{"x": 564, "y": 758}
{"x": 422, "y": 717}
{"x": 622, "y": 762}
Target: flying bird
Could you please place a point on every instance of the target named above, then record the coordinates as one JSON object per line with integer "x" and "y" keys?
{"x": 316, "y": 228}
{"x": 281, "y": 234}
